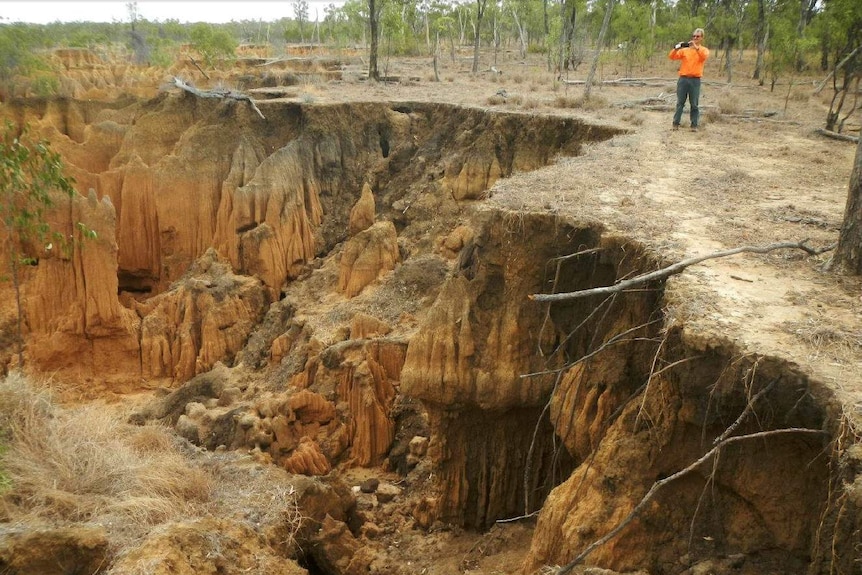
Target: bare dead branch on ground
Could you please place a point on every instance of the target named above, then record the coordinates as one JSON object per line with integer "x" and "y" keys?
{"x": 837, "y": 136}
{"x": 221, "y": 94}
{"x": 675, "y": 269}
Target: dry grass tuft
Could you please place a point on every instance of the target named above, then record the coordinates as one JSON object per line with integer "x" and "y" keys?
{"x": 635, "y": 118}
{"x": 86, "y": 465}
{"x": 728, "y": 103}
{"x": 827, "y": 339}
{"x": 592, "y": 103}
{"x": 73, "y": 465}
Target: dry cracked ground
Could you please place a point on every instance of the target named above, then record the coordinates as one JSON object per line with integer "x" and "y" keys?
{"x": 313, "y": 336}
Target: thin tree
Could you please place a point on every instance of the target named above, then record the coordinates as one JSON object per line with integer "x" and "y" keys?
{"x": 300, "y": 10}
{"x": 599, "y": 44}
{"x": 375, "y": 9}
{"x": 30, "y": 176}
{"x": 481, "y": 5}
{"x": 848, "y": 254}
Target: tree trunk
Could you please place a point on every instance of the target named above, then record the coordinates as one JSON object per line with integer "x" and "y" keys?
{"x": 436, "y": 54}
{"x": 480, "y": 13}
{"x": 605, "y": 23}
{"x": 848, "y": 254}
{"x": 760, "y": 33}
{"x": 728, "y": 58}
{"x": 374, "y": 26}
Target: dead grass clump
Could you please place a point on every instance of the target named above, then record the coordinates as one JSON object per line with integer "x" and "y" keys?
{"x": 592, "y": 103}
{"x": 565, "y": 102}
{"x": 495, "y": 100}
{"x": 72, "y": 465}
{"x": 728, "y": 103}
{"x": 531, "y": 104}
{"x": 633, "y": 118}
{"x": 800, "y": 95}
{"x": 86, "y": 465}
{"x": 826, "y": 338}
{"x": 712, "y": 115}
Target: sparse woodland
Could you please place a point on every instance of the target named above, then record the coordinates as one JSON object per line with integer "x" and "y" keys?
{"x": 789, "y": 38}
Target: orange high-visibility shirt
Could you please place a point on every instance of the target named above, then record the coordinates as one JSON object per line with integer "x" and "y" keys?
{"x": 692, "y": 60}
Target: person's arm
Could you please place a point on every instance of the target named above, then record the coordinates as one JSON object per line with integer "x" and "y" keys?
{"x": 675, "y": 54}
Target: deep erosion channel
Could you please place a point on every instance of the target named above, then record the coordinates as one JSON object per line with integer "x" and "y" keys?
{"x": 341, "y": 258}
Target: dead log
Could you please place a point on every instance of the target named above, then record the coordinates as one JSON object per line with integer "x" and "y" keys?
{"x": 674, "y": 269}
{"x": 837, "y": 136}
{"x": 222, "y": 94}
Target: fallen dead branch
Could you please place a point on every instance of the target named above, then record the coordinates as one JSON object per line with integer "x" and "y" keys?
{"x": 837, "y": 136}
{"x": 675, "y": 269}
{"x": 222, "y": 94}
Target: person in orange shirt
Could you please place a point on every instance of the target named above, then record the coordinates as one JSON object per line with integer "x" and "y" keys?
{"x": 692, "y": 56}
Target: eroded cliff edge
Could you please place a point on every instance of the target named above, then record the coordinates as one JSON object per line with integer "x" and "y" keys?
{"x": 322, "y": 287}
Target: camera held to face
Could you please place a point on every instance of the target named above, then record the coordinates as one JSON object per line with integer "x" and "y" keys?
{"x": 682, "y": 45}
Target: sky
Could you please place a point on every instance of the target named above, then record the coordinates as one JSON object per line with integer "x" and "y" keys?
{"x": 218, "y": 11}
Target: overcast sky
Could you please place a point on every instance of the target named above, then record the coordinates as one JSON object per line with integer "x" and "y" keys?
{"x": 218, "y": 11}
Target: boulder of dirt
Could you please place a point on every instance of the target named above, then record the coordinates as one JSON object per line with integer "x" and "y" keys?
{"x": 363, "y": 212}
{"x": 206, "y": 317}
{"x": 307, "y": 459}
{"x": 200, "y": 389}
{"x": 366, "y": 256}
{"x": 205, "y": 546}
{"x": 451, "y": 245}
{"x": 319, "y": 498}
{"x": 336, "y": 551}
{"x": 61, "y": 551}
{"x": 365, "y": 326}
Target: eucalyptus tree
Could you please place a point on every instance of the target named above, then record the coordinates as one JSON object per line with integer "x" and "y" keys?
{"x": 839, "y": 27}
{"x": 848, "y": 253}
{"x": 632, "y": 30}
{"x": 570, "y": 57}
{"x": 481, "y": 7}
{"x": 31, "y": 177}
{"x": 300, "y": 12}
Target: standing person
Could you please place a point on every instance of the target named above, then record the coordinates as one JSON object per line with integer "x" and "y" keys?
{"x": 692, "y": 55}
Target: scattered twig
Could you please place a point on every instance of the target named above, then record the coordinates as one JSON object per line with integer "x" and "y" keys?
{"x": 673, "y": 270}
{"x": 199, "y": 68}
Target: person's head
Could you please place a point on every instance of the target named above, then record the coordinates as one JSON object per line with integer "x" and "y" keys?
{"x": 697, "y": 35}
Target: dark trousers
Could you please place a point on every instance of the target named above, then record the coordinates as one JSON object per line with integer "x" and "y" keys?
{"x": 687, "y": 88}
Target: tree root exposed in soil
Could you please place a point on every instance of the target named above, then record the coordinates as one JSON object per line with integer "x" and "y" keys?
{"x": 719, "y": 442}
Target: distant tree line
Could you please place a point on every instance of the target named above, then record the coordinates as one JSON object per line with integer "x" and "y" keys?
{"x": 787, "y": 37}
